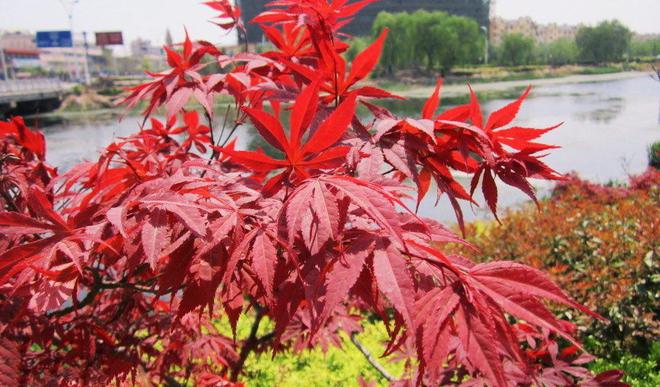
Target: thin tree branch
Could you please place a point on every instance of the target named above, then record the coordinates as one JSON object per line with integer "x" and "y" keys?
{"x": 250, "y": 344}
{"x": 371, "y": 359}
{"x": 209, "y": 121}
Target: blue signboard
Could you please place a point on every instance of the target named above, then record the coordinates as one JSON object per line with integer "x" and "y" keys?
{"x": 54, "y": 39}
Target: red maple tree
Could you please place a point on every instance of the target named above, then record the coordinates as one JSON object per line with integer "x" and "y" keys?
{"x": 117, "y": 269}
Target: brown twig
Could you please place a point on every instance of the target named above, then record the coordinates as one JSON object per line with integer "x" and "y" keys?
{"x": 371, "y": 359}
{"x": 250, "y": 344}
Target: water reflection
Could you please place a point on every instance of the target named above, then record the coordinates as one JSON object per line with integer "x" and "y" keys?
{"x": 604, "y": 110}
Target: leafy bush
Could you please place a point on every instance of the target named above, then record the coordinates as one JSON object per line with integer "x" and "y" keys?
{"x": 639, "y": 371}
{"x": 335, "y": 365}
{"x": 654, "y": 155}
{"x": 515, "y": 50}
{"x": 609, "y": 41}
{"x": 600, "y": 243}
{"x": 641, "y": 48}
{"x": 561, "y": 51}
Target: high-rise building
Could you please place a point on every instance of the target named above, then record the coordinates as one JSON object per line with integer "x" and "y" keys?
{"x": 361, "y": 25}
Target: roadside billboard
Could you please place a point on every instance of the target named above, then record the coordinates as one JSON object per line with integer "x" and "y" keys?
{"x": 46, "y": 39}
{"x": 109, "y": 38}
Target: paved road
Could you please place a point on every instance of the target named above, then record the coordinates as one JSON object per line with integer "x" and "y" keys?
{"x": 461, "y": 89}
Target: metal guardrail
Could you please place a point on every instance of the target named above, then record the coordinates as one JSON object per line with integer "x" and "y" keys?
{"x": 30, "y": 86}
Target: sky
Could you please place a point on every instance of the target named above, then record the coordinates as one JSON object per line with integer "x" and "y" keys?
{"x": 150, "y": 18}
{"x": 641, "y": 16}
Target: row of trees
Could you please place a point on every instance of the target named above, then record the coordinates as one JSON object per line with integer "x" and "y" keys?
{"x": 609, "y": 41}
{"x": 435, "y": 40}
{"x": 439, "y": 41}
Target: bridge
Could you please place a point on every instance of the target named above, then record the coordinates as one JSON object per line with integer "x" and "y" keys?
{"x": 30, "y": 96}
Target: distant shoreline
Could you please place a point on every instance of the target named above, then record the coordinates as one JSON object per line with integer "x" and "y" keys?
{"x": 455, "y": 90}
{"x": 452, "y": 93}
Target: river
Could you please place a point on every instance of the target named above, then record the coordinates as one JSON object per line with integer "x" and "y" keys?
{"x": 607, "y": 129}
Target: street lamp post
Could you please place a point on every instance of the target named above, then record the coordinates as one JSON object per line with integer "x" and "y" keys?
{"x": 485, "y": 29}
{"x": 69, "y": 7}
{"x": 85, "y": 63}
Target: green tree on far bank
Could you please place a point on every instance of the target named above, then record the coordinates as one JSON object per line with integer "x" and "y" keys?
{"x": 515, "y": 50}
{"x": 561, "y": 52}
{"x": 645, "y": 48}
{"x": 609, "y": 41}
{"x": 434, "y": 40}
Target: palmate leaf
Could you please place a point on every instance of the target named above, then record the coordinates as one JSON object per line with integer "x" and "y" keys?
{"x": 325, "y": 207}
{"x": 155, "y": 236}
{"x": 264, "y": 261}
{"x": 479, "y": 341}
{"x": 344, "y": 274}
{"x": 10, "y": 363}
{"x": 505, "y": 115}
{"x": 394, "y": 279}
{"x": 434, "y": 311}
{"x": 431, "y": 105}
{"x": 378, "y": 205}
{"x": 365, "y": 61}
{"x": 17, "y": 224}
{"x": 20, "y": 257}
{"x": 317, "y": 153}
{"x": 332, "y": 129}
{"x": 489, "y": 190}
{"x": 187, "y": 210}
{"x": 526, "y": 280}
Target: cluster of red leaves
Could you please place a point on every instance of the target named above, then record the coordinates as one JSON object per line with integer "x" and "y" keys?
{"x": 117, "y": 268}
{"x": 229, "y": 16}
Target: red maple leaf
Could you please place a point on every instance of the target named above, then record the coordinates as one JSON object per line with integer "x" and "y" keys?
{"x": 317, "y": 153}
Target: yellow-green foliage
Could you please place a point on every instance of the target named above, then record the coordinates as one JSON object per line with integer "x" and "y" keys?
{"x": 336, "y": 367}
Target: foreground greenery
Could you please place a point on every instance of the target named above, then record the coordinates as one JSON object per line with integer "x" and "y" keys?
{"x": 639, "y": 371}
{"x": 334, "y": 366}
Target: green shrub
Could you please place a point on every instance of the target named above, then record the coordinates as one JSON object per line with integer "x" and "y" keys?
{"x": 638, "y": 371}
{"x": 654, "y": 155}
{"x": 335, "y": 367}
{"x": 515, "y": 50}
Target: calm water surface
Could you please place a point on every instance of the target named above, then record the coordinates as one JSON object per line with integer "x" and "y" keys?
{"x": 607, "y": 128}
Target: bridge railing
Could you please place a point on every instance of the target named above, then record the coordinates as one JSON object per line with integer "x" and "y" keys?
{"x": 23, "y": 86}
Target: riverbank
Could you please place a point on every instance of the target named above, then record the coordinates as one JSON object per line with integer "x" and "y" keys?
{"x": 456, "y": 90}
{"x": 452, "y": 93}
{"x": 414, "y": 77}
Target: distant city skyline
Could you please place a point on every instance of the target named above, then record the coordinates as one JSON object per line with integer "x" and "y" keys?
{"x": 149, "y": 19}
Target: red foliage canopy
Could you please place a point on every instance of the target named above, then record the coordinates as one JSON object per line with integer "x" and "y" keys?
{"x": 116, "y": 269}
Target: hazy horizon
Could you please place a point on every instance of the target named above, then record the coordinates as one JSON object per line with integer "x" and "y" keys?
{"x": 149, "y": 19}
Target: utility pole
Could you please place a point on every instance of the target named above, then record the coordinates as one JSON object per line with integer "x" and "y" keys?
{"x": 69, "y": 6}
{"x": 485, "y": 29}
{"x": 85, "y": 63}
{"x": 3, "y": 60}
